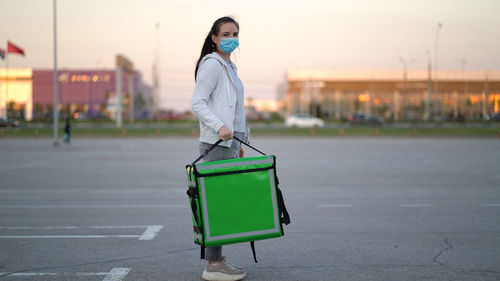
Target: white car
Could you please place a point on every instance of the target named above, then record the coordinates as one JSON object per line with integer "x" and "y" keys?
{"x": 303, "y": 121}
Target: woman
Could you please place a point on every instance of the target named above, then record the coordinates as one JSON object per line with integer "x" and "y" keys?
{"x": 218, "y": 104}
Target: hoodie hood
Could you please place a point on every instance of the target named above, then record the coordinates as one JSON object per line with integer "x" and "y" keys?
{"x": 216, "y": 56}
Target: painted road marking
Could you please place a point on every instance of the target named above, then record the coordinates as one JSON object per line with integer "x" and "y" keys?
{"x": 77, "y": 227}
{"x": 65, "y": 236}
{"x": 116, "y": 274}
{"x": 418, "y": 205}
{"x": 149, "y": 234}
{"x": 24, "y": 165}
{"x": 149, "y": 206}
{"x": 25, "y": 274}
{"x": 100, "y": 191}
{"x": 334, "y": 205}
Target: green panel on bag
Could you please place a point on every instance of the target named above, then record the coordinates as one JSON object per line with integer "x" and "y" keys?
{"x": 239, "y": 203}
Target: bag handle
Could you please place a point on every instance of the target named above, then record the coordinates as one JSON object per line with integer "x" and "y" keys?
{"x": 217, "y": 143}
{"x": 206, "y": 152}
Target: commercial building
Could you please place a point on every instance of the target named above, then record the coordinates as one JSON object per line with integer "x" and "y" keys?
{"x": 28, "y": 93}
{"x": 394, "y": 94}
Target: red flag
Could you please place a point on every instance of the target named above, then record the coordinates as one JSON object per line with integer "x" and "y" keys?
{"x": 11, "y": 48}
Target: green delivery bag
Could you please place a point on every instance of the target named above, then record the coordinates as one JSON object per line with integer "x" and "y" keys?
{"x": 235, "y": 200}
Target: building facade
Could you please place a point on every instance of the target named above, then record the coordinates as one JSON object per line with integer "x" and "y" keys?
{"x": 396, "y": 95}
{"x": 29, "y": 93}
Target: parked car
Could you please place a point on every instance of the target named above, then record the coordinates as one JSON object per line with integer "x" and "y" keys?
{"x": 303, "y": 121}
{"x": 495, "y": 117}
{"x": 9, "y": 123}
{"x": 365, "y": 119}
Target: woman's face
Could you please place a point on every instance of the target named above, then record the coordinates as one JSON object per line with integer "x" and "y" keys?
{"x": 226, "y": 30}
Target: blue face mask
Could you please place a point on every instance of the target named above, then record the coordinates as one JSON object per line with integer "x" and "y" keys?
{"x": 229, "y": 44}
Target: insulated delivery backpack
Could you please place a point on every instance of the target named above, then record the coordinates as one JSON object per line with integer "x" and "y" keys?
{"x": 235, "y": 200}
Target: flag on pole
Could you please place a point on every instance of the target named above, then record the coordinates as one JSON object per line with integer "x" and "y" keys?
{"x": 2, "y": 53}
{"x": 11, "y": 48}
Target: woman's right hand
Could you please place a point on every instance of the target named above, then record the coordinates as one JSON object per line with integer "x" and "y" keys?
{"x": 225, "y": 133}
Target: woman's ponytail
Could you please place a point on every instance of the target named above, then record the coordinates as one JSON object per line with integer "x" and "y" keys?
{"x": 208, "y": 47}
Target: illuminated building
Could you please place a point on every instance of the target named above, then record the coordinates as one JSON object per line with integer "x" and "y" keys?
{"x": 335, "y": 94}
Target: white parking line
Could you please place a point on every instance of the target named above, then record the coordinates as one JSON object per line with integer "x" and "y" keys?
{"x": 28, "y": 274}
{"x": 116, "y": 274}
{"x": 490, "y": 205}
{"x": 24, "y": 165}
{"x": 149, "y": 234}
{"x": 77, "y": 227}
{"x": 146, "y": 206}
{"x": 65, "y": 236}
{"x": 416, "y": 205}
{"x": 334, "y": 205}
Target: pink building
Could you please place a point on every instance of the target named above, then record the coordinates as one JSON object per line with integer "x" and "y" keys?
{"x": 88, "y": 92}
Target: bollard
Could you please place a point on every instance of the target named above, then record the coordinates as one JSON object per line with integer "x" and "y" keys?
{"x": 414, "y": 132}
{"x": 377, "y": 133}
{"x": 124, "y": 133}
{"x": 341, "y": 132}
{"x": 158, "y": 133}
{"x": 3, "y": 134}
{"x": 312, "y": 133}
{"x": 36, "y": 134}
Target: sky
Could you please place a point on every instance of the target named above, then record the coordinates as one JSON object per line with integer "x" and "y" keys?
{"x": 275, "y": 36}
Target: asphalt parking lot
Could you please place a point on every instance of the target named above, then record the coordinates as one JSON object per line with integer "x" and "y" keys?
{"x": 361, "y": 209}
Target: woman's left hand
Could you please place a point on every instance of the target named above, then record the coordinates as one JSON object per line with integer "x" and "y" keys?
{"x": 242, "y": 152}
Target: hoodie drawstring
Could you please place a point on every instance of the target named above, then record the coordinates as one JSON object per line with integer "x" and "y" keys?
{"x": 228, "y": 90}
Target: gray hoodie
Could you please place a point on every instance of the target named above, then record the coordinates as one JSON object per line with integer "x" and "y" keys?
{"x": 218, "y": 99}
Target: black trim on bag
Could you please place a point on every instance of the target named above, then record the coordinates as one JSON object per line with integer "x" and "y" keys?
{"x": 194, "y": 195}
{"x": 197, "y": 229}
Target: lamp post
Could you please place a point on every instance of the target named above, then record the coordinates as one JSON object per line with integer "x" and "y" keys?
{"x": 56, "y": 104}
{"x": 405, "y": 70}
{"x": 429, "y": 87}
{"x": 405, "y": 78}
{"x": 455, "y": 96}
{"x": 440, "y": 25}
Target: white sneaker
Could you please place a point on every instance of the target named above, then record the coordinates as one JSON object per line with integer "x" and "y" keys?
{"x": 223, "y": 271}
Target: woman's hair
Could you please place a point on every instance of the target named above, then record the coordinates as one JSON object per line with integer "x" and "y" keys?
{"x": 209, "y": 45}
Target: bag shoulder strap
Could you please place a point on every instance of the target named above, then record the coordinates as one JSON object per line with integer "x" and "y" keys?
{"x": 217, "y": 143}
{"x": 252, "y": 245}
{"x": 206, "y": 152}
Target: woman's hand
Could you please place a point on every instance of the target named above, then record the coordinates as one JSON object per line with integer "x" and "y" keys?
{"x": 225, "y": 133}
{"x": 242, "y": 152}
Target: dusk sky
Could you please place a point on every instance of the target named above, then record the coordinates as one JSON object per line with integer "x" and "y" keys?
{"x": 275, "y": 36}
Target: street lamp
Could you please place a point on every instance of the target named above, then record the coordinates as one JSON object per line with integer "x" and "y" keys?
{"x": 440, "y": 25}
{"x": 405, "y": 81}
{"x": 405, "y": 70}
{"x": 429, "y": 87}
{"x": 56, "y": 104}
